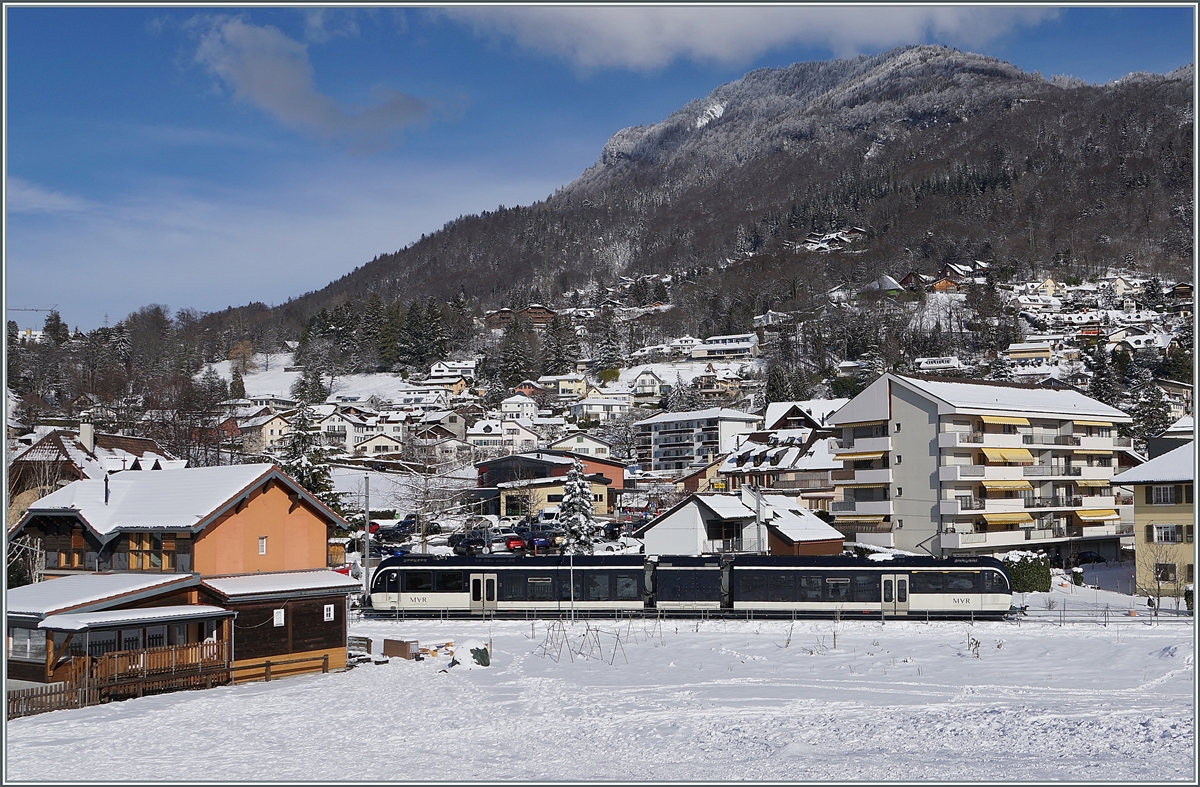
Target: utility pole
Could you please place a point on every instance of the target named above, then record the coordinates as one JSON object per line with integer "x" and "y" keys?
{"x": 366, "y": 560}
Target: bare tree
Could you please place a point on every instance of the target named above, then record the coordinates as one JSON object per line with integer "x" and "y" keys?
{"x": 1158, "y": 570}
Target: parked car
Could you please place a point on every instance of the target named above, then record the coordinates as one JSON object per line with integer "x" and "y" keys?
{"x": 1084, "y": 558}
{"x": 470, "y": 545}
{"x": 541, "y": 540}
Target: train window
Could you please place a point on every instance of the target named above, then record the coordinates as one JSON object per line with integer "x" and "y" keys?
{"x": 596, "y": 587}
{"x": 751, "y": 587}
{"x": 810, "y": 588}
{"x": 927, "y": 582}
{"x": 450, "y": 582}
{"x": 564, "y": 587}
{"x": 476, "y": 590}
{"x": 391, "y": 582}
{"x": 541, "y": 589}
{"x": 418, "y": 581}
{"x": 781, "y": 586}
{"x": 994, "y": 582}
{"x": 887, "y": 591}
{"x": 865, "y": 587}
{"x": 901, "y": 591}
{"x": 837, "y": 588}
{"x": 961, "y": 582}
{"x": 692, "y": 586}
{"x": 627, "y": 587}
{"x": 511, "y": 588}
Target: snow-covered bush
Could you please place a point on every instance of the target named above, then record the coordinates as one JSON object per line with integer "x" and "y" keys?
{"x": 1077, "y": 575}
{"x": 1029, "y": 571}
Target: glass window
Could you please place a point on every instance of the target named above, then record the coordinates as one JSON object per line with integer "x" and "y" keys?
{"x": 597, "y": 586}
{"x": 541, "y": 589}
{"x": 781, "y": 586}
{"x": 450, "y": 582}
{"x": 1164, "y": 495}
{"x": 751, "y": 587}
{"x": 927, "y": 582}
{"x": 961, "y": 582}
{"x": 837, "y": 588}
{"x": 810, "y": 588}
{"x": 1164, "y": 572}
{"x": 627, "y": 587}
{"x": 418, "y": 581}
{"x": 511, "y": 588}
{"x": 994, "y": 582}
{"x": 865, "y": 587}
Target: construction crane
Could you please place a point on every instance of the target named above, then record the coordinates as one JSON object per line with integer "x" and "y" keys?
{"x": 32, "y": 308}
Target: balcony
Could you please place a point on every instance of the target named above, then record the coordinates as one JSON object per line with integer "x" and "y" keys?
{"x": 1049, "y": 502}
{"x": 959, "y": 505}
{"x": 1003, "y": 538}
{"x": 1062, "y": 471}
{"x": 862, "y": 445}
{"x": 976, "y": 473}
{"x": 730, "y": 545}
{"x": 880, "y": 476}
{"x": 841, "y": 475}
{"x": 1051, "y": 439}
{"x": 862, "y": 507}
{"x": 981, "y": 439}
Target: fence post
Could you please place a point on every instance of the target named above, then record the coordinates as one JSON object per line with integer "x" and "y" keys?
{"x": 325, "y": 663}
{"x": 267, "y": 672}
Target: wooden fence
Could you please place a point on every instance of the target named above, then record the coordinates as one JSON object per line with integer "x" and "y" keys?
{"x": 42, "y": 699}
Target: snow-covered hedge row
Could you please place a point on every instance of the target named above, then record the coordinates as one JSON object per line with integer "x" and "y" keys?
{"x": 1029, "y": 571}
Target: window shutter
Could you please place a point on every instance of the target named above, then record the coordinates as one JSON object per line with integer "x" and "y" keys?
{"x": 1178, "y": 494}
{"x": 1188, "y": 531}
{"x": 1149, "y": 495}
{"x": 1149, "y": 532}
{"x": 1188, "y": 491}
{"x": 1179, "y": 534}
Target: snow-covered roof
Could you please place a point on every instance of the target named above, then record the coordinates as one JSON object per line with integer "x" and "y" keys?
{"x": 86, "y": 590}
{"x": 797, "y": 523}
{"x": 692, "y": 415}
{"x": 1178, "y": 464}
{"x": 726, "y": 506}
{"x": 1030, "y": 402}
{"x": 78, "y": 621}
{"x": 817, "y": 408}
{"x": 178, "y": 499}
{"x": 281, "y": 583}
{"x": 1184, "y": 426}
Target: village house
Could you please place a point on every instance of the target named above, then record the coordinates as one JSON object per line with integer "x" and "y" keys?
{"x": 583, "y": 443}
{"x": 599, "y": 409}
{"x": 738, "y": 345}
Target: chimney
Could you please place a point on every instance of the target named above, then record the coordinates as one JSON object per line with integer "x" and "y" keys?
{"x": 87, "y": 432}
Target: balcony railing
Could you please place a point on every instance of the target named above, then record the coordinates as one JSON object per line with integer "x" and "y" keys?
{"x": 731, "y": 545}
{"x": 842, "y": 505}
{"x": 1050, "y": 502}
{"x": 971, "y": 503}
{"x": 1050, "y": 470}
{"x": 1049, "y": 439}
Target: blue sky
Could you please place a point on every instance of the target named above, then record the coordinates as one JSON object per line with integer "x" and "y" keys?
{"x": 208, "y": 157}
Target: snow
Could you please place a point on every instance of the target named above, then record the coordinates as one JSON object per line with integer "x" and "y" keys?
{"x": 677, "y": 700}
{"x": 277, "y": 583}
{"x": 85, "y": 620}
{"x": 1046, "y": 402}
{"x": 44, "y": 598}
{"x": 1178, "y": 464}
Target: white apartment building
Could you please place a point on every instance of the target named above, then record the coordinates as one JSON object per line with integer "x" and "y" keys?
{"x": 518, "y": 406}
{"x": 599, "y": 409}
{"x": 949, "y": 467}
{"x": 673, "y": 441}
{"x": 734, "y": 345}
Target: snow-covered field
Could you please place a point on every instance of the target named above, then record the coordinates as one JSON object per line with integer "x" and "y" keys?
{"x": 680, "y": 700}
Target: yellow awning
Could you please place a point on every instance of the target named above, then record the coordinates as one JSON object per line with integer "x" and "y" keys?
{"x": 1007, "y": 518}
{"x": 1007, "y": 485}
{"x": 1098, "y": 515}
{"x": 1004, "y": 419}
{"x": 1102, "y": 451}
{"x": 1017, "y": 454}
{"x": 858, "y": 520}
{"x": 858, "y": 456}
{"x": 1092, "y": 482}
{"x": 993, "y": 454}
{"x": 1092, "y": 423}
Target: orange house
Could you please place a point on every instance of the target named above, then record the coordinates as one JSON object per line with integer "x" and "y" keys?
{"x": 239, "y": 519}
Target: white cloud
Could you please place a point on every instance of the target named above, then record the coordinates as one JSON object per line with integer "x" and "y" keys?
{"x": 23, "y": 196}
{"x": 264, "y": 67}
{"x": 652, "y": 37}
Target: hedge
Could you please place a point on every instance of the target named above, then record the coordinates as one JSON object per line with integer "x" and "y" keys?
{"x": 1029, "y": 571}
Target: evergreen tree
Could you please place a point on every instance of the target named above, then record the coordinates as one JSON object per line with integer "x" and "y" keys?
{"x": 460, "y": 328}
{"x": 518, "y": 352}
{"x": 414, "y": 337}
{"x": 370, "y": 333}
{"x": 437, "y": 342}
{"x": 307, "y": 461}
{"x": 495, "y": 392}
{"x": 608, "y": 343}
{"x": 1001, "y": 368}
{"x": 1104, "y": 386}
{"x": 309, "y": 388}
{"x": 1152, "y": 292}
{"x": 575, "y": 513}
{"x": 676, "y": 399}
{"x": 1150, "y": 412}
{"x": 560, "y": 347}
{"x": 55, "y": 330}
{"x": 237, "y": 386}
{"x": 390, "y": 336}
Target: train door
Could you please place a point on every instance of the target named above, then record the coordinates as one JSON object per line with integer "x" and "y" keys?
{"x": 895, "y": 594}
{"x": 483, "y": 592}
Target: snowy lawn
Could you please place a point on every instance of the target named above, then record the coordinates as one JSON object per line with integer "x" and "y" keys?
{"x": 680, "y": 700}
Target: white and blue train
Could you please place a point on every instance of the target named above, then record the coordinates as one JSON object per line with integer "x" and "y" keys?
{"x": 737, "y": 585}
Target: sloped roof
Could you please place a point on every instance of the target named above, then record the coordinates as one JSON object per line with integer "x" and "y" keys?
{"x": 692, "y": 415}
{"x": 796, "y": 523}
{"x": 1177, "y": 465}
{"x": 111, "y": 453}
{"x": 1028, "y": 401}
{"x": 78, "y": 621}
{"x": 87, "y": 591}
{"x": 179, "y": 499}
{"x": 281, "y": 583}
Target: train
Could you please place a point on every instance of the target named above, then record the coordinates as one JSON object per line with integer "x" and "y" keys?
{"x": 710, "y": 585}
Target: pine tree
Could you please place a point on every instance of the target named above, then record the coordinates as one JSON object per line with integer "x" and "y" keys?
{"x": 309, "y": 388}
{"x": 518, "y": 351}
{"x": 608, "y": 344}
{"x": 307, "y": 461}
{"x": 437, "y": 342}
{"x": 1150, "y": 412}
{"x": 575, "y": 513}
{"x": 414, "y": 337}
{"x": 1001, "y": 368}
{"x": 370, "y": 332}
{"x": 237, "y": 386}
{"x": 560, "y": 347}
{"x": 1104, "y": 386}
{"x": 676, "y": 399}
{"x": 495, "y": 392}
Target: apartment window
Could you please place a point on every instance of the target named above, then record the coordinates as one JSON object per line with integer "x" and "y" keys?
{"x": 1163, "y": 495}
{"x": 897, "y": 426}
{"x": 1164, "y": 572}
{"x": 262, "y": 545}
{"x": 1166, "y": 534}
{"x": 899, "y": 491}
{"x": 899, "y": 458}
{"x": 328, "y": 613}
{"x": 278, "y": 618}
